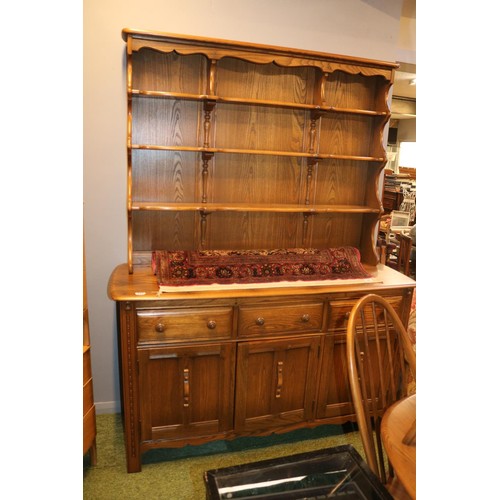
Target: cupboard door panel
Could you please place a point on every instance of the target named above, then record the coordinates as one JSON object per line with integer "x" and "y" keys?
{"x": 186, "y": 391}
{"x": 334, "y": 396}
{"x": 275, "y": 383}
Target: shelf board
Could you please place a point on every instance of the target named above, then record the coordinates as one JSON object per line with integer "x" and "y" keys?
{"x": 254, "y": 102}
{"x": 241, "y": 207}
{"x": 295, "y": 154}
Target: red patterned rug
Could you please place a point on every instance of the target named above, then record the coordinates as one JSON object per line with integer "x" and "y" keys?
{"x": 206, "y": 267}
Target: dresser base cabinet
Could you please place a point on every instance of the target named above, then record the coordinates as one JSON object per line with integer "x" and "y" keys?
{"x": 203, "y": 366}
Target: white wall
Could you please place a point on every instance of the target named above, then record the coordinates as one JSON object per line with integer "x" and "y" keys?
{"x": 369, "y": 28}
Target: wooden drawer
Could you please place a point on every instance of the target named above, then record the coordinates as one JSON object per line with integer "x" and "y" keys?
{"x": 264, "y": 319}
{"x": 87, "y": 372}
{"x": 175, "y": 325}
{"x": 340, "y": 310}
{"x": 88, "y": 397}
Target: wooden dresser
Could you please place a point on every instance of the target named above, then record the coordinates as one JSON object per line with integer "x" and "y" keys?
{"x": 89, "y": 418}
{"x": 242, "y": 146}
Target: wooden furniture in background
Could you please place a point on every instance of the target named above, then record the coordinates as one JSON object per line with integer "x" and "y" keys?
{"x": 395, "y": 186}
{"x": 381, "y": 363}
{"x": 403, "y": 253}
{"x": 398, "y": 431}
{"x": 397, "y": 253}
{"x": 89, "y": 419}
{"x": 244, "y": 146}
{"x": 392, "y": 200}
{"x": 410, "y": 172}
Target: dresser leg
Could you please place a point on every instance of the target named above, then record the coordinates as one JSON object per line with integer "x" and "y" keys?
{"x": 128, "y": 367}
{"x": 133, "y": 463}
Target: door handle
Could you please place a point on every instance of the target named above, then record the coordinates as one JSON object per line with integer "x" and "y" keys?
{"x": 279, "y": 385}
{"x": 185, "y": 387}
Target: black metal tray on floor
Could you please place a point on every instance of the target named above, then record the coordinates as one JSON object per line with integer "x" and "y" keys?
{"x": 337, "y": 472}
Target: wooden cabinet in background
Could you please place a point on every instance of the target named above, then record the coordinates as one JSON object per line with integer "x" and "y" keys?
{"x": 243, "y": 146}
{"x": 392, "y": 200}
{"x": 89, "y": 418}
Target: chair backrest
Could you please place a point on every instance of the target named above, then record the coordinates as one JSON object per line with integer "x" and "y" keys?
{"x": 381, "y": 366}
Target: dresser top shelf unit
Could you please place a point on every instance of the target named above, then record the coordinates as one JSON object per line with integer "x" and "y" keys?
{"x": 235, "y": 145}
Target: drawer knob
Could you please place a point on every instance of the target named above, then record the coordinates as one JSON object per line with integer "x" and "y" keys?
{"x": 260, "y": 321}
{"x": 305, "y": 318}
{"x": 160, "y": 327}
{"x": 211, "y": 324}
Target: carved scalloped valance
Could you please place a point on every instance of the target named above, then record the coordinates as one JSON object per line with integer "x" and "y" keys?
{"x": 258, "y": 54}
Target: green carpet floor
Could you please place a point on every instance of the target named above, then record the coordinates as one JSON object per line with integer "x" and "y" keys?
{"x": 177, "y": 474}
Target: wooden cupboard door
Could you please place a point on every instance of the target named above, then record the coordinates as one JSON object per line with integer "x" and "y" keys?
{"x": 334, "y": 396}
{"x": 275, "y": 383}
{"x": 186, "y": 391}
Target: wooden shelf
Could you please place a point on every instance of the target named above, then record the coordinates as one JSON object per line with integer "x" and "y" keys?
{"x": 236, "y": 207}
{"x": 297, "y": 154}
{"x": 254, "y": 102}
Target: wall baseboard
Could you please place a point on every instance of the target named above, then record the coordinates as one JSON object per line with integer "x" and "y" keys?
{"x": 108, "y": 407}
